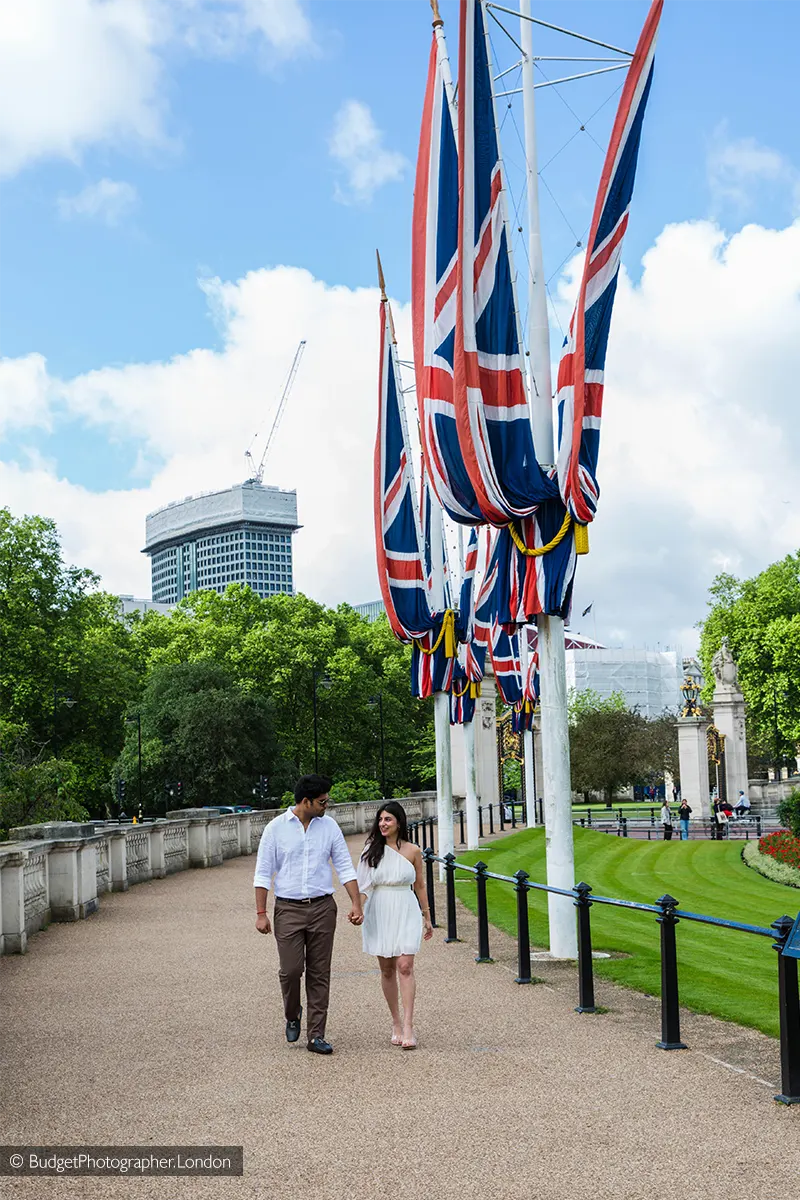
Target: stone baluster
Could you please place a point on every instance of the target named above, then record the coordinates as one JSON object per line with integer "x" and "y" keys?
{"x": 15, "y": 939}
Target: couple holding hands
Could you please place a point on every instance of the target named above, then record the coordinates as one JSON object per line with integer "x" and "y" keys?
{"x": 295, "y": 856}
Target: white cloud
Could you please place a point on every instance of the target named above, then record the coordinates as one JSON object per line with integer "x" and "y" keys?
{"x": 700, "y": 442}
{"x": 108, "y": 200}
{"x": 739, "y": 167}
{"x": 356, "y": 144}
{"x": 222, "y": 26}
{"x": 78, "y": 72}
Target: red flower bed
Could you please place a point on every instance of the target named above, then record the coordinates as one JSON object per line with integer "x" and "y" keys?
{"x": 782, "y": 846}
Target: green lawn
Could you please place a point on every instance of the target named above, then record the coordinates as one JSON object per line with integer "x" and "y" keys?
{"x": 727, "y": 974}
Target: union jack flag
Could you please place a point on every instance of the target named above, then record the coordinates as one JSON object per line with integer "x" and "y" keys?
{"x": 491, "y": 403}
{"x": 504, "y": 650}
{"x": 400, "y": 574}
{"x": 433, "y": 292}
{"x": 581, "y": 371}
{"x": 465, "y": 605}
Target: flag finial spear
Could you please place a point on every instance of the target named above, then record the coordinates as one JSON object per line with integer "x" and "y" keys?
{"x": 381, "y": 280}
{"x": 384, "y": 297}
{"x": 437, "y": 20}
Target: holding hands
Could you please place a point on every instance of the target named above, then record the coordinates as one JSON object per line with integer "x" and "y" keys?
{"x": 355, "y": 916}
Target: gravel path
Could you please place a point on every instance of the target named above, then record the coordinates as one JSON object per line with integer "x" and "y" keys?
{"x": 158, "y": 1021}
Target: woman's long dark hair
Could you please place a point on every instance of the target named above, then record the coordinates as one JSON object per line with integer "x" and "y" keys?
{"x": 376, "y": 842}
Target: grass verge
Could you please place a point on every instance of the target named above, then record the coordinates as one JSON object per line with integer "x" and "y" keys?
{"x": 721, "y": 972}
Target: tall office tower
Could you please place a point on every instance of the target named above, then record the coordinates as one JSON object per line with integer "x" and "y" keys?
{"x": 241, "y": 535}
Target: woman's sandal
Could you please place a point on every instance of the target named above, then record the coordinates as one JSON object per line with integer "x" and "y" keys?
{"x": 409, "y": 1045}
{"x": 397, "y": 1041}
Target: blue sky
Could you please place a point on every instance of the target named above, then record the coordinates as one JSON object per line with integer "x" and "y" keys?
{"x": 220, "y": 165}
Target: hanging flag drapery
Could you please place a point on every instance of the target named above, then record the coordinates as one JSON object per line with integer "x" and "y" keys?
{"x": 525, "y": 709}
{"x": 468, "y": 671}
{"x": 401, "y": 576}
{"x": 491, "y": 403}
{"x": 433, "y": 292}
{"x": 581, "y": 371}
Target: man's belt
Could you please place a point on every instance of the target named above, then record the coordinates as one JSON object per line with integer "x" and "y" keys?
{"x": 307, "y": 900}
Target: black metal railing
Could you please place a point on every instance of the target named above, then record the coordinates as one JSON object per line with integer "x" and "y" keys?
{"x": 491, "y": 817}
{"x": 667, "y": 915}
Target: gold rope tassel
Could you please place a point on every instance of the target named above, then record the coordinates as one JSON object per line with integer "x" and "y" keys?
{"x": 446, "y": 633}
{"x": 581, "y": 539}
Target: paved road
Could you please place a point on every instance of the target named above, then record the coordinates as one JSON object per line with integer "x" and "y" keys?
{"x": 158, "y": 1021}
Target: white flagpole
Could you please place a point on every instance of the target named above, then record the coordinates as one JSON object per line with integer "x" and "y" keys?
{"x": 527, "y": 736}
{"x": 556, "y": 788}
{"x": 441, "y": 700}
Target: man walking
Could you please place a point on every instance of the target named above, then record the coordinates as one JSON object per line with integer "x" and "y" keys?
{"x": 297, "y": 849}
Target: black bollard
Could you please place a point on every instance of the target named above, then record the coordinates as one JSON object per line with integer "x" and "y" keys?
{"x": 483, "y": 955}
{"x": 758, "y": 826}
{"x": 513, "y": 816}
{"x": 523, "y": 933}
{"x": 427, "y": 854}
{"x": 585, "y": 967}
{"x": 652, "y": 816}
{"x": 670, "y": 1014}
{"x": 789, "y": 1012}
{"x": 480, "y": 820}
{"x": 450, "y": 884}
{"x": 502, "y": 815}
{"x": 491, "y": 818}
{"x": 624, "y": 821}
{"x": 588, "y": 816}
{"x": 463, "y": 840}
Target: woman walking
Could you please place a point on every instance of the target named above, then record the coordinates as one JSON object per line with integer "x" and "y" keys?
{"x": 666, "y": 821}
{"x": 396, "y": 913}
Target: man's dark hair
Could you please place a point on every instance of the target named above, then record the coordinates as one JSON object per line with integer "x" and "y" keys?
{"x": 308, "y": 787}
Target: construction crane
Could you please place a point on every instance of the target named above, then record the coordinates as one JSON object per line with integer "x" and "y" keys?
{"x": 259, "y": 474}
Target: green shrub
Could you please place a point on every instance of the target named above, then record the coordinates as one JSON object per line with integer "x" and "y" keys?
{"x": 770, "y": 868}
{"x": 789, "y": 812}
{"x": 287, "y": 799}
{"x": 400, "y": 793}
{"x": 355, "y": 791}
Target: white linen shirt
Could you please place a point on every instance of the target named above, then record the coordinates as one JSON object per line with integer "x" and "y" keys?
{"x": 300, "y": 859}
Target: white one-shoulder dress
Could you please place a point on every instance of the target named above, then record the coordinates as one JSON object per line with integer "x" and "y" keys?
{"x": 392, "y": 916}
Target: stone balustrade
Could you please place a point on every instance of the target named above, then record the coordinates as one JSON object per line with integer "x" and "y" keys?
{"x": 58, "y": 872}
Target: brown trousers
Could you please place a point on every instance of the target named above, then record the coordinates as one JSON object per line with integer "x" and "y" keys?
{"x": 304, "y": 936}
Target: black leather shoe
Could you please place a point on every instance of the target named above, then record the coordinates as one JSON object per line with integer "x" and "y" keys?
{"x": 320, "y": 1046}
{"x": 293, "y": 1028}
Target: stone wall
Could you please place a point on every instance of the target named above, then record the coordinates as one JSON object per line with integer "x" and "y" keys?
{"x": 58, "y": 872}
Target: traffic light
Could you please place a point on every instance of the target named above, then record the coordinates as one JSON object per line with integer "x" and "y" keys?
{"x": 179, "y": 791}
{"x": 121, "y": 792}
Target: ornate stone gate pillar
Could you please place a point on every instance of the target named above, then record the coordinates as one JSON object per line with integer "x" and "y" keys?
{"x": 729, "y": 720}
{"x": 693, "y": 756}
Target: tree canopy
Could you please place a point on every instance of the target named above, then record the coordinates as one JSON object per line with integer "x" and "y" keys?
{"x": 225, "y": 687}
{"x": 761, "y": 619}
{"x": 612, "y": 746}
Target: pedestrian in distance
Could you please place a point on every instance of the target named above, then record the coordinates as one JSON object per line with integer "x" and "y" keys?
{"x": 684, "y": 814}
{"x": 742, "y": 808}
{"x": 666, "y": 821}
{"x": 720, "y": 819}
{"x": 396, "y": 913}
{"x": 297, "y": 850}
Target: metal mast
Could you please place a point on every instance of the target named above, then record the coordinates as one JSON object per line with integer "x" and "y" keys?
{"x": 557, "y": 789}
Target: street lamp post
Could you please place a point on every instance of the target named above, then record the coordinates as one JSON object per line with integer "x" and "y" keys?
{"x": 377, "y": 702}
{"x": 326, "y": 682}
{"x": 778, "y": 754}
{"x": 70, "y": 703}
{"x": 137, "y": 717}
